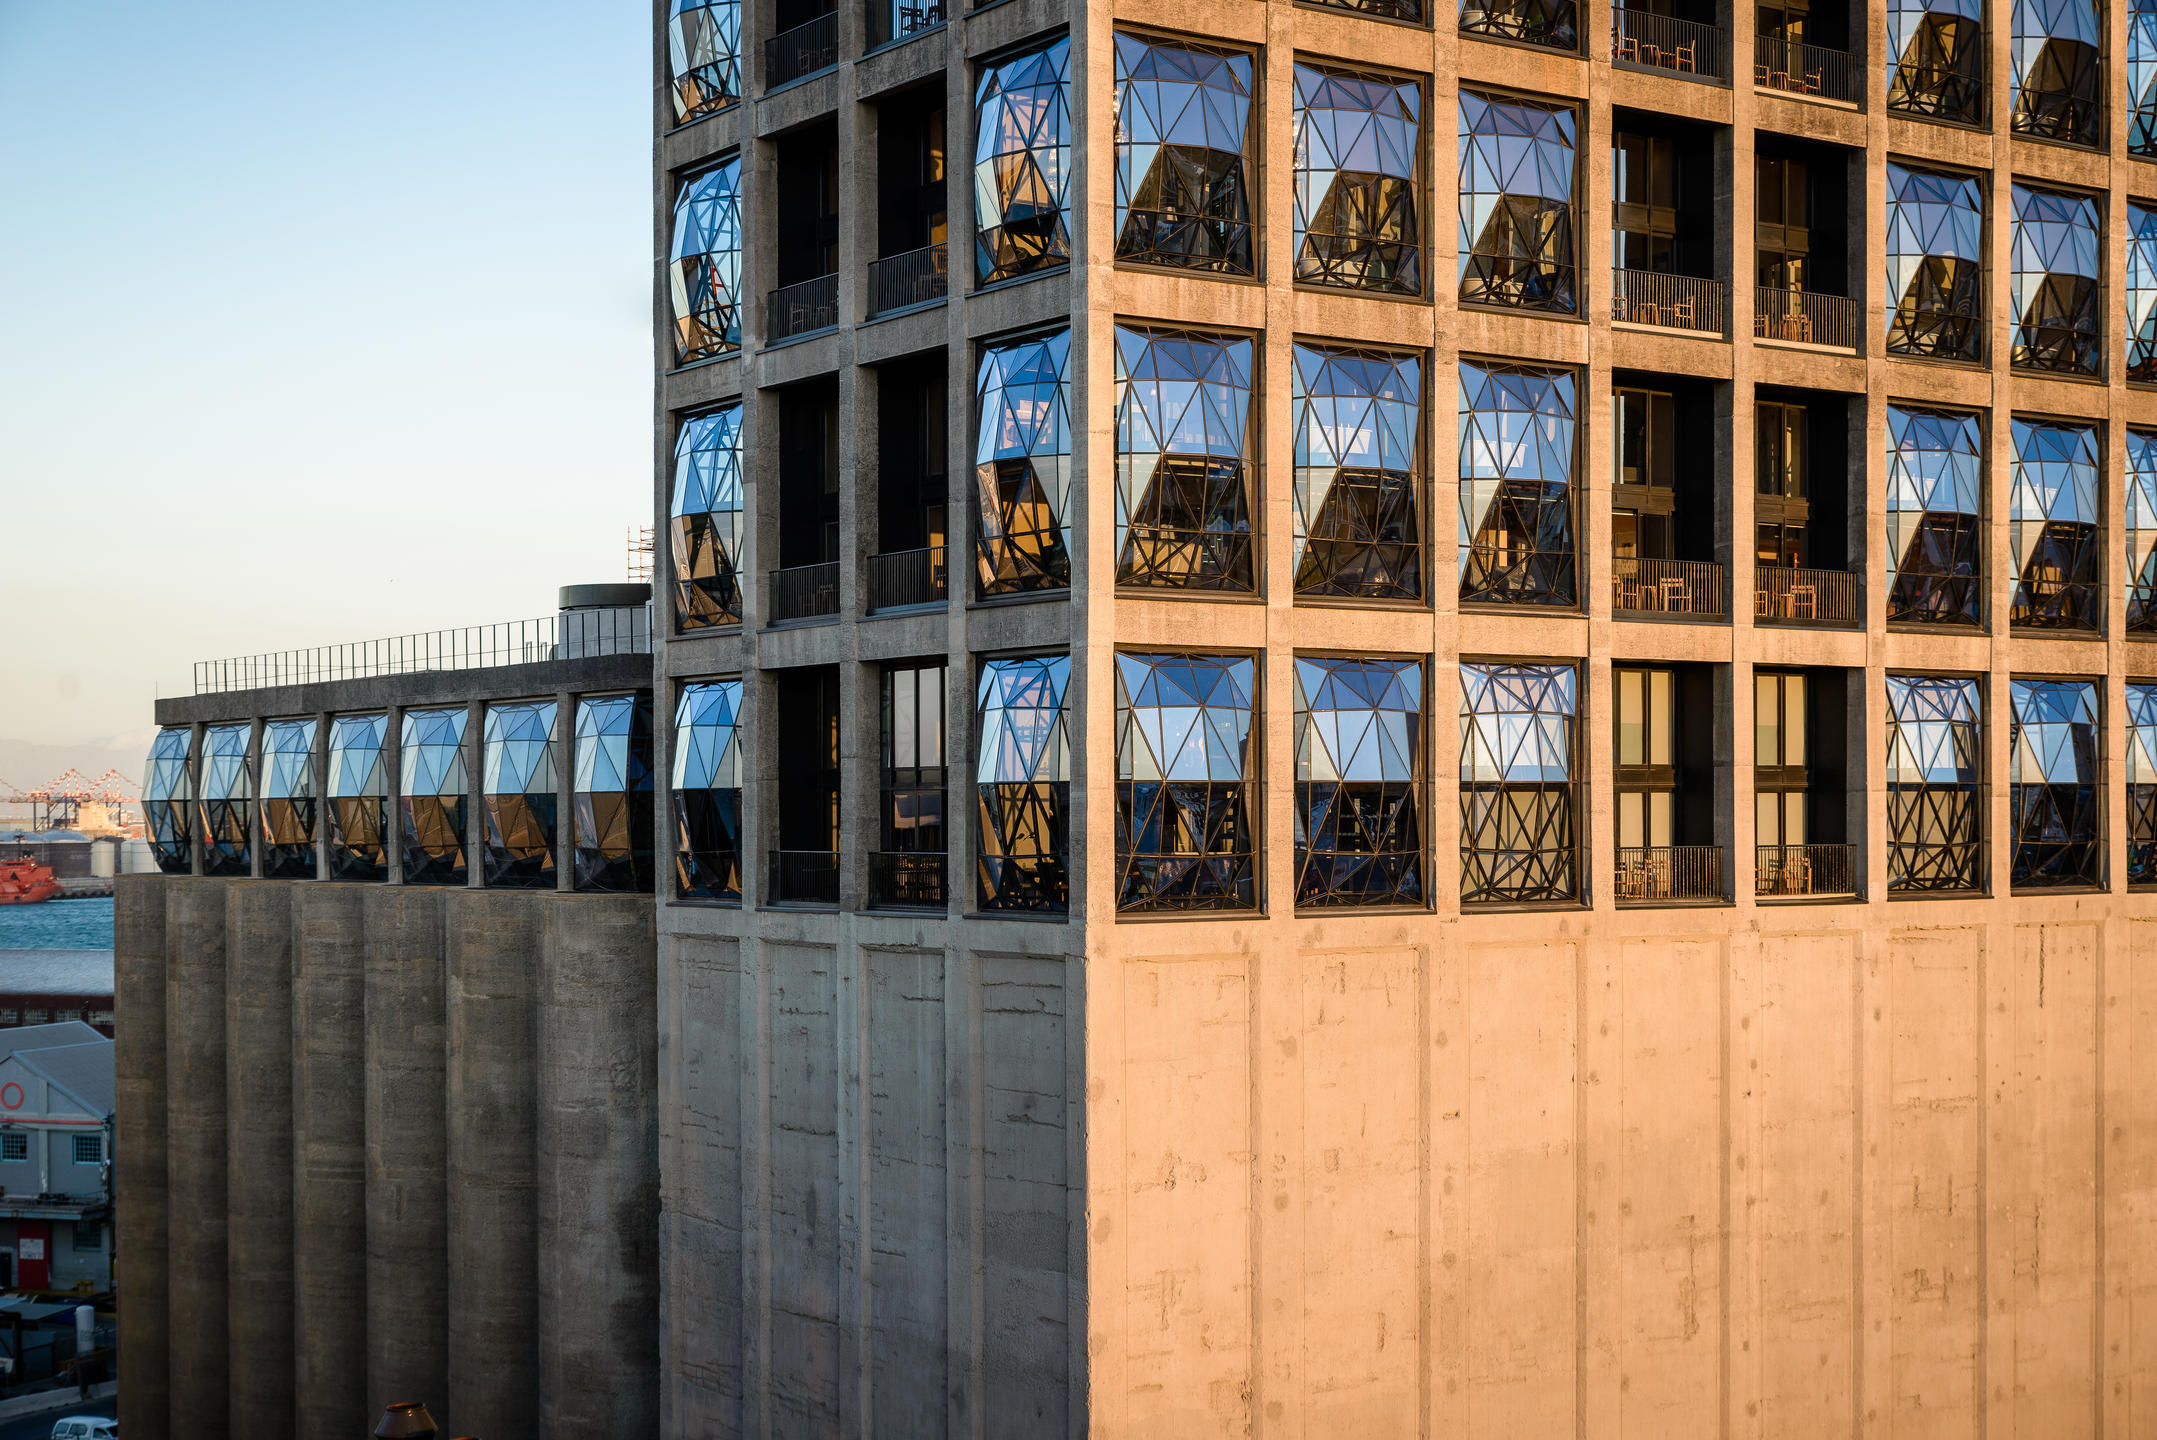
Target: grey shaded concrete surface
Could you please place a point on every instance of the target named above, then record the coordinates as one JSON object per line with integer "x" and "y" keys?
{"x": 196, "y": 1137}
{"x": 329, "y": 1217}
{"x": 259, "y": 933}
{"x": 142, "y": 1260}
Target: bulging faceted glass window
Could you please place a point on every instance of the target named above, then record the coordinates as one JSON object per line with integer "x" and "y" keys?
{"x": 1186, "y": 836}
{"x": 1935, "y": 253}
{"x": 1936, "y": 59}
{"x": 2142, "y": 77}
{"x": 1517, "y": 450}
{"x": 1519, "y": 788}
{"x": 2141, "y": 293}
{"x": 1935, "y": 481}
{"x": 2142, "y": 784}
{"x": 1022, "y": 467}
{"x": 2056, "y": 250}
{"x": 2058, "y": 80}
{"x": 707, "y": 791}
{"x": 2052, "y": 522}
{"x": 2052, "y": 780}
{"x": 228, "y": 793}
{"x": 288, "y": 800}
{"x": 1022, "y": 163}
{"x": 613, "y": 793}
{"x": 1359, "y": 781}
{"x": 1183, "y": 410}
{"x": 1183, "y": 191}
{"x": 704, "y": 56}
{"x": 1555, "y": 23}
{"x": 1933, "y": 764}
{"x": 1359, "y": 521}
{"x": 168, "y": 799}
{"x": 1356, "y": 146}
{"x": 1022, "y": 785}
{"x": 358, "y": 795}
{"x": 435, "y": 787}
{"x": 519, "y": 792}
{"x": 1516, "y": 203}
{"x": 707, "y": 514}
{"x": 2141, "y": 569}
{"x": 704, "y": 273}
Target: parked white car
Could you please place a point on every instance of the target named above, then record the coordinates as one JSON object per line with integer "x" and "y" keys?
{"x": 85, "y": 1427}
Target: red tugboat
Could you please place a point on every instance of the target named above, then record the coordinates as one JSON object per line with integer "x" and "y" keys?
{"x": 25, "y": 882}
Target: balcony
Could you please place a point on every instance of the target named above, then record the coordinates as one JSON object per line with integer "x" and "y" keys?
{"x": 1786, "y": 595}
{"x": 802, "y": 309}
{"x": 1662, "y": 874}
{"x": 804, "y": 877}
{"x": 918, "y": 277}
{"x": 801, "y": 51}
{"x": 1787, "y": 872}
{"x": 1802, "y": 317}
{"x": 804, "y": 592}
{"x": 1662, "y": 42}
{"x": 1667, "y": 587}
{"x": 906, "y": 880}
{"x": 1667, "y": 302}
{"x": 1807, "y": 71}
{"x": 907, "y": 577}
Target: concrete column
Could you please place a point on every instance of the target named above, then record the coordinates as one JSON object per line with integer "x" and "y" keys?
{"x": 194, "y": 797}
{"x": 195, "y": 1152}
{"x": 475, "y": 800}
{"x": 141, "y": 1252}
{"x": 598, "y": 1166}
{"x": 254, "y": 793}
{"x": 493, "y": 969}
{"x": 393, "y": 803}
{"x": 258, "y": 1150}
{"x": 322, "y": 794}
{"x": 329, "y": 1161}
{"x": 565, "y": 790}
{"x": 407, "y": 1211}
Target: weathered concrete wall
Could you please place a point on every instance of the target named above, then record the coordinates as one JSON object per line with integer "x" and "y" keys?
{"x": 407, "y": 1149}
{"x": 195, "y": 1081}
{"x": 494, "y": 971}
{"x": 598, "y": 1169}
{"x": 329, "y": 1171}
{"x": 259, "y": 1152}
{"x": 381, "y": 1049}
{"x": 142, "y": 1236}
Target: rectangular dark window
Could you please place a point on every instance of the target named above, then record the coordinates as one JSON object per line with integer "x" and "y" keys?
{"x": 89, "y": 1235}
{"x": 89, "y": 1149}
{"x": 908, "y": 866}
{"x": 14, "y": 1146}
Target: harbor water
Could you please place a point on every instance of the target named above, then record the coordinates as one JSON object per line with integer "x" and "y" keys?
{"x": 57, "y": 925}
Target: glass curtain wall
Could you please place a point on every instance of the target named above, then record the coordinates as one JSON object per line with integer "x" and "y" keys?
{"x": 1186, "y": 823}
{"x": 1934, "y": 801}
{"x": 288, "y": 800}
{"x": 358, "y": 794}
{"x": 1022, "y": 785}
{"x": 2052, "y": 778}
{"x": 612, "y": 793}
{"x": 707, "y": 791}
{"x": 1359, "y": 781}
{"x": 435, "y": 787}
{"x": 1519, "y": 782}
{"x": 520, "y": 793}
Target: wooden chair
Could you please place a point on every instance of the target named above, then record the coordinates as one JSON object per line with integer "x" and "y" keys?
{"x": 1679, "y": 315}
{"x": 1681, "y": 57}
{"x": 1805, "y": 598}
{"x": 1677, "y": 596}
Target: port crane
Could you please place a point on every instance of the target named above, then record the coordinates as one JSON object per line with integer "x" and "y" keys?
{"x": 57, "y": 804}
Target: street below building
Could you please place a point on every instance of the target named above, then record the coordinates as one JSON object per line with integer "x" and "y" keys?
{"x": 39, "y": 1426}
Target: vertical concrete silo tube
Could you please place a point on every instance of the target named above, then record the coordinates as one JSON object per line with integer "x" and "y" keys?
{"x": 598, "y": 1169}
{"x": 139, "y": 1176}
{"x": 258, "y": 1151}
{"x": 407, "y": 1150}
{"x": 329, "y": 1161}
{"x": 494, "y": 967}
{"x": 195, "y": 1153}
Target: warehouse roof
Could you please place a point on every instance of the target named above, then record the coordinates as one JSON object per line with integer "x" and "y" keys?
{"x": 83, "y": 1071}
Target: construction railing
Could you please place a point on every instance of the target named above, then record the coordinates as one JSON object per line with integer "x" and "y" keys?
{"x": 567, "y": 635}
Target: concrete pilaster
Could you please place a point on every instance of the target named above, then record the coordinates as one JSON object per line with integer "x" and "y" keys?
{"x": 141, "y": 1179}
{"x": 329, "y": 1159}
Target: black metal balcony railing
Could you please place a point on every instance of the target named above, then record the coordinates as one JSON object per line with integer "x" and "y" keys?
{"x": 907, "y": 577}
{"x": 802, "y": 309}
{"x": 1805, "y": 317}
{"x": 907, "y": 879}
{"x": 1805, "y": 870}
{"x": 1673, "y": 302}
{"x": 804, "y": 591}
{"x": 1938, "y": 92}
{"x": 1787, "y": 595}
{"x": 1806, "y": 70}
{"x": 804, "y": 877}
{"x": 1663, "y": 42}
{"x": 889, "y": 22}
{"x": 803, "y": 50}
{"x": 1669, "y": 872}
{"x": 914, "y": 278}
{"x": 1666, "y": 587}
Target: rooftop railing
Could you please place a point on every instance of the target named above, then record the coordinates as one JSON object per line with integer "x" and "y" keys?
{"x": 1663, "y": 42}
{"x": 1669, "y": 302}
{"x": 803, "y": 50}
{"x": 1805, "y": 70}
{"x": 566, "y": 635}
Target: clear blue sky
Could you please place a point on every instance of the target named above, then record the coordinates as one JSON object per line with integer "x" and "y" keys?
{"x": 317, "y": 323}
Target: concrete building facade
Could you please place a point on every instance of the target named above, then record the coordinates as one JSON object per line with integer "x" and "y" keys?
{"x": 1642, "y": 931}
